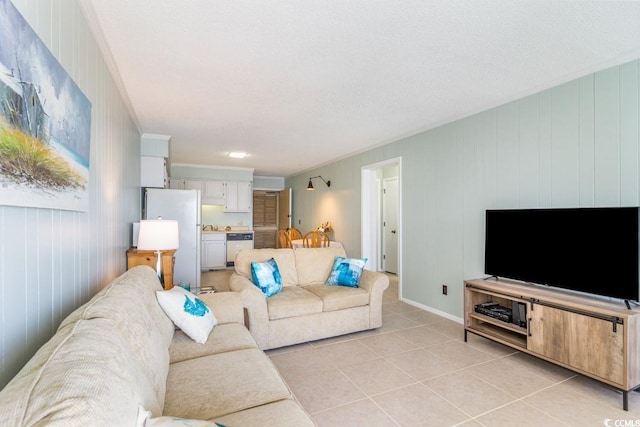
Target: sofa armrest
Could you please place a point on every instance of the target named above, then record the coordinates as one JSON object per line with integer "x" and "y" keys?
{"x": 256, "y": 305}
{"x": 375, "y": 283}
{"x": 226, "y": 306}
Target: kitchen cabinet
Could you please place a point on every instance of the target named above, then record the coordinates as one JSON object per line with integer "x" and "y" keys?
{"x": 235, "y": 196}
{"x": 213, "y": 193}
{"x": 190, "y": 184}
{"x": 238, "y": 196}
{"x": 176, "y": 184}
{"x": 153, "y": 172}
{"x": 214, "y": 251}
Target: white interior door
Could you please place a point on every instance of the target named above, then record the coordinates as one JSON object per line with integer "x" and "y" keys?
{"x": 390, "y": 224}
{"x": 284, "y": 209}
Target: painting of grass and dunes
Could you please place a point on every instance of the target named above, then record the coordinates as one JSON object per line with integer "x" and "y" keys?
{"x": 45, "y": 123}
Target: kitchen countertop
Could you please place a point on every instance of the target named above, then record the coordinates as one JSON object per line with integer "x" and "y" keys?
{"x": 233, "y": 230}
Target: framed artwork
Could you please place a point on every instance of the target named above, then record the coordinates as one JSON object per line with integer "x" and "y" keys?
{"x": 45, "y": 123}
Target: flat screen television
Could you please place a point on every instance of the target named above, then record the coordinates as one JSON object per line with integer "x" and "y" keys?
{"x": 592, "y": 250}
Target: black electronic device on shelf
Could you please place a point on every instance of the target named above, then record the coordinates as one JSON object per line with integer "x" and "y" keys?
{"x": 517, "y": 314}
{"x": 495, "y": 310}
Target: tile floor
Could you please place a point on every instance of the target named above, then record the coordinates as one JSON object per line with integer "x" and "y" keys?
{"x": 416, "y": 370}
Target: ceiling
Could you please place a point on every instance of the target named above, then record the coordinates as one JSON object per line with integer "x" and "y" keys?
{"x": 301, "y": 83}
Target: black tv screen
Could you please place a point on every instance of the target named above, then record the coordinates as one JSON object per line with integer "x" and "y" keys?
{"x": 592, "y": 250}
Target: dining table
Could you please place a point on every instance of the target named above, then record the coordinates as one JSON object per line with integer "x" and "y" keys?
{"x": 299, "y": 243}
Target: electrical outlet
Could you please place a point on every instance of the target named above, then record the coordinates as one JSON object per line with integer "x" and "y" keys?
{"x": 444, "y": 289}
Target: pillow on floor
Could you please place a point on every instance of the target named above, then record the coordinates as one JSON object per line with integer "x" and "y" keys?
{"x": 266, "y": 276}
{"x": 346, "y": 271}
{"x": 188, "y": 313}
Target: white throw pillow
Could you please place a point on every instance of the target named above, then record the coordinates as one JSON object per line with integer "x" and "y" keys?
{"x": 188, "y": 313}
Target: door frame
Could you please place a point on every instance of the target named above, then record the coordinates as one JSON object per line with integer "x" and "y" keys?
{"x": 371, "y": 237}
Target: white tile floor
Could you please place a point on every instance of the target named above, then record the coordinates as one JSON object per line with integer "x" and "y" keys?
{"x": 417, "y": 370}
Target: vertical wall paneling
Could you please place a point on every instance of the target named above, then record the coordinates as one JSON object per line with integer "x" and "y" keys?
{"x": 528, "y": 153}
{"x": 473, "y": 220}
{"x": 490, "y": 160}
{"x": 607, "y": 137}
{"x": 564, "y": 145}
{"x": 507, "y": 154}
{"x": 51, "y": 260}
{"x": 629, "y": 134}
{"x": 586, "y": 138}
{"x": 576, "y": 144}
{"x": 545, "y": 144}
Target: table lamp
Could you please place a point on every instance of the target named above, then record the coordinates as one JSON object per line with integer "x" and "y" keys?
{"x": 158, "y": 235}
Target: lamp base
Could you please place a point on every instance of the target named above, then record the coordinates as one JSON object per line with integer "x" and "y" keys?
{"x": 159, "y": 267}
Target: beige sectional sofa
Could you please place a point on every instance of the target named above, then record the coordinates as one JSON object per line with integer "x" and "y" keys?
{"x": 306, "y": 309}
{"x": 119, "y": 361}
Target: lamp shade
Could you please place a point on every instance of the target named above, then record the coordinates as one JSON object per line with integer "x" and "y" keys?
{"x": 158, "y": 234}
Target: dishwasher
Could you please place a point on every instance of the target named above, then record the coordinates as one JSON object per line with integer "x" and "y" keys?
{"x": 237, "y": 242}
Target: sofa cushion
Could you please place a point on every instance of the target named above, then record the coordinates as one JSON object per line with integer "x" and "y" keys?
{"x": 266, "y": 277}
{"x": 223, "y": 338}
{"x": 314, "y": 264}
{"x": 293, "y": 301}
{"x": 86, "y": 375}
{"x": 283, "y": 257}
{"x": 339, "y": 297}
{"x": 130, "y": 302}
{"x": 221, "y": 384}
{"x": 188, "y": 312}
{"x": 346, "y": 271}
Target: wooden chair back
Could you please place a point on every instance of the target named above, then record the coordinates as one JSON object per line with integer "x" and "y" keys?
{"x": 294, "y": 233}
{"x": 283, "y": 239}
{"x": 316, "y": 239}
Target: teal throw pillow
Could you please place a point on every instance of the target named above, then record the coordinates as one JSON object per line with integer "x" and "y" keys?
{"x": 266, "y": 277}
{"x": 346, "y": 271}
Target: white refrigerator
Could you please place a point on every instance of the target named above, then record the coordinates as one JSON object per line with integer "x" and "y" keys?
{"x": 184, "y": 207}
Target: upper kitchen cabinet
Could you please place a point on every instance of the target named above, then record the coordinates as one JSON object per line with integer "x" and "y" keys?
{"x": 190, "y": 184}
{"x": 238, "y": 196}
{"x": 153, "y": 172}
{"x": 186, "y": 184}
{"x": 214, "y": 193}
{"x": 154, "y": 151}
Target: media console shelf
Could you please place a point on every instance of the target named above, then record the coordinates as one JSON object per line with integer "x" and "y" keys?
{"x": 595, "y": 338}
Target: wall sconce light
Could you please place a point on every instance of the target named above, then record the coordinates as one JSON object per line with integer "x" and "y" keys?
{"x": 158, "y": 235}
{"x": 310, "y": 186}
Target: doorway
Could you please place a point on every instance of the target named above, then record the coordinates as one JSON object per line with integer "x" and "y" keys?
{"x": 383, "y": 252}
{"x": 390, "y": 225}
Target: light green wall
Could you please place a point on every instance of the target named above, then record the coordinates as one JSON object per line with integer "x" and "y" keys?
{"x": 572, "y": 145}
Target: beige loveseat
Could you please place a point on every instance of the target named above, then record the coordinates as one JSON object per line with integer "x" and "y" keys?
{"x": 119, "y": 357}
{"x": 306, "y": 309}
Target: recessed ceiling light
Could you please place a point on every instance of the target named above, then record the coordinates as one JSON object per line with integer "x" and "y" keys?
{"x": 237, "y": 155}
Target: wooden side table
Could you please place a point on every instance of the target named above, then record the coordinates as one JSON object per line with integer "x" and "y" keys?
{"x": 136, "y": 257}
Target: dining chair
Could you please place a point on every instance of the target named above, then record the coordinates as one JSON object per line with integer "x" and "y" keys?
{"x": 316, "y": 239}
{"x": 283, "y": 239}
{"x": 294, "y": 233}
